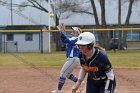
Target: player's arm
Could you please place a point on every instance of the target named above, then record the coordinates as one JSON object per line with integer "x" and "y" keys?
{"x": 109, "y": 82}
{"x": 82, "y": 74}
{"x": 62, "y": 35}
{"x": 107, "y": 67}
{"x": 67, "y": 40}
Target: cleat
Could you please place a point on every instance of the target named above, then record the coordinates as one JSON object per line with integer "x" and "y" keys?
{"x": 56, "y": 91}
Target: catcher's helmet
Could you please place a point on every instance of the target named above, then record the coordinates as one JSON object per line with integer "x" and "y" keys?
{"x": 86, "y": 38}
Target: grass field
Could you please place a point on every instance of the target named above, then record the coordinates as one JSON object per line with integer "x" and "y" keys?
{"x": 38, "y": 73}
{"x": 127, "y": 58}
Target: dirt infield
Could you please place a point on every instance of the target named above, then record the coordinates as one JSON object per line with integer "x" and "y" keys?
{"x": 43, "y": 80}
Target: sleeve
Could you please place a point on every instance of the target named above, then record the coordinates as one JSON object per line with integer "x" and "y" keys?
{"x": 110, "y": 75}
{"x": 107, "y": 68}
{"x": 67, "y": 40}
{"x": 71, "y": 41}
{"x": 105, "y": 63}
{"x": 109, "y": 82}
{"x": 82, "y": 74}
{"x": 62, "y": 36}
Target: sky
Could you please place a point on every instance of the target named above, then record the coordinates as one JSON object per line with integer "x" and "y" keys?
{"x": 24, "y": 17}
{"x": 76, "y": 19}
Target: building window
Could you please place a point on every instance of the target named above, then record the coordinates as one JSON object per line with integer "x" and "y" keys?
{"x": 28, "y": 36}
{"x": 133, "y": 36}
{"x": 10, "y": 37}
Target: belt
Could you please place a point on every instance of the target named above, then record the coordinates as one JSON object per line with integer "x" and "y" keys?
{"x": 69, "y": 57}
{"x": 100, "y": 78}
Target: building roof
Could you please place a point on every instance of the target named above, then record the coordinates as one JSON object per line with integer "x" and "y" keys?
{"x": 2, "y": 27}
{"x": 25, "y": 27}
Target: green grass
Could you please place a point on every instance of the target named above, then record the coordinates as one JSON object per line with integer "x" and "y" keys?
{"x": 128, "y": 58}
{"x": 29, "y": 59}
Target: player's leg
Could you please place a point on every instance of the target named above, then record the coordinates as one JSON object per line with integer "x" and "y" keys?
{"x": 75, "y": 62}
{"x": 73, "y": 77}
{"x": 91, "y": 87}
{"x": 65, "y": 72}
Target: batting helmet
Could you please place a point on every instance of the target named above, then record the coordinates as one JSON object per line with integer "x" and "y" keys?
{"x": 86, "y": 38}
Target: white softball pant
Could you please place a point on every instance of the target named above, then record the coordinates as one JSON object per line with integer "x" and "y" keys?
{"x": 68, "y": 67}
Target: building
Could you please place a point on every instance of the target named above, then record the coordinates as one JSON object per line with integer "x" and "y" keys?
{"x": 24, "y": 38}
{"x": 133, "y": 36}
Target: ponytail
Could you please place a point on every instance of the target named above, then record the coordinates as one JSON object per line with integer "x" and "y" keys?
{"x": 100, "y": 48}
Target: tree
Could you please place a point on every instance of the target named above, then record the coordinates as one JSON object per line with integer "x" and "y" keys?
{"x": 127, "y": 21}
{"x": 61, "y": 6}
{"x": 123, "y": 35}
{"x": 104, "y": 35}
{"x": 119, "y": 25}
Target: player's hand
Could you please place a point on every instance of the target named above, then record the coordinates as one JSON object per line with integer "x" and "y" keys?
{"x": 61, "y": 27}
{"x": 76, "y": 86}
{"x": 107, "y": 91}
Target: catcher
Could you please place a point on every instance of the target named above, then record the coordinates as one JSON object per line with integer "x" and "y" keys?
{"x": 95, "y": 63}
{"x": 72, "y": 53}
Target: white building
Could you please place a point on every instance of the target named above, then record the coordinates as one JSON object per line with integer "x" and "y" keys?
{"x": 17, "y": 38}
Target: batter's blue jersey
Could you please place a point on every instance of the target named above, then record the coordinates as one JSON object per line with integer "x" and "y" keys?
{"x": 72, "y": 49}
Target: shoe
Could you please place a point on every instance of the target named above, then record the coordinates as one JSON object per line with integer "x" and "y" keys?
{"x": 56, "y": 91}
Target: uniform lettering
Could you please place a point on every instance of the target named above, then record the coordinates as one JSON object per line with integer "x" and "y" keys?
{"x": 90, "y": 69}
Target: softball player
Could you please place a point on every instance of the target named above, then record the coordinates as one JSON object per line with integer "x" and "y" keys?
{"x": 72, "y": 53}
{"x": 95, "y": 62}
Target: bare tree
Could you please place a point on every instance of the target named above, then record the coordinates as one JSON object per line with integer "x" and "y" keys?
{"x": 61, "y": 7}
{"x": 104, "y": 36}
{"x": 67, "y": 7}
{"x": 119, "y": 24}
{"x": 63, "y": 10}
{"x": 122, "y": 34}
{"x": 127, "y": 21}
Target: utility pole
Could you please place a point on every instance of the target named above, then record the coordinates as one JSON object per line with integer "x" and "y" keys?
{"x": 50, "y": 15}
{"x": 49, "y": 26}
{"x": 11, "y": 12}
